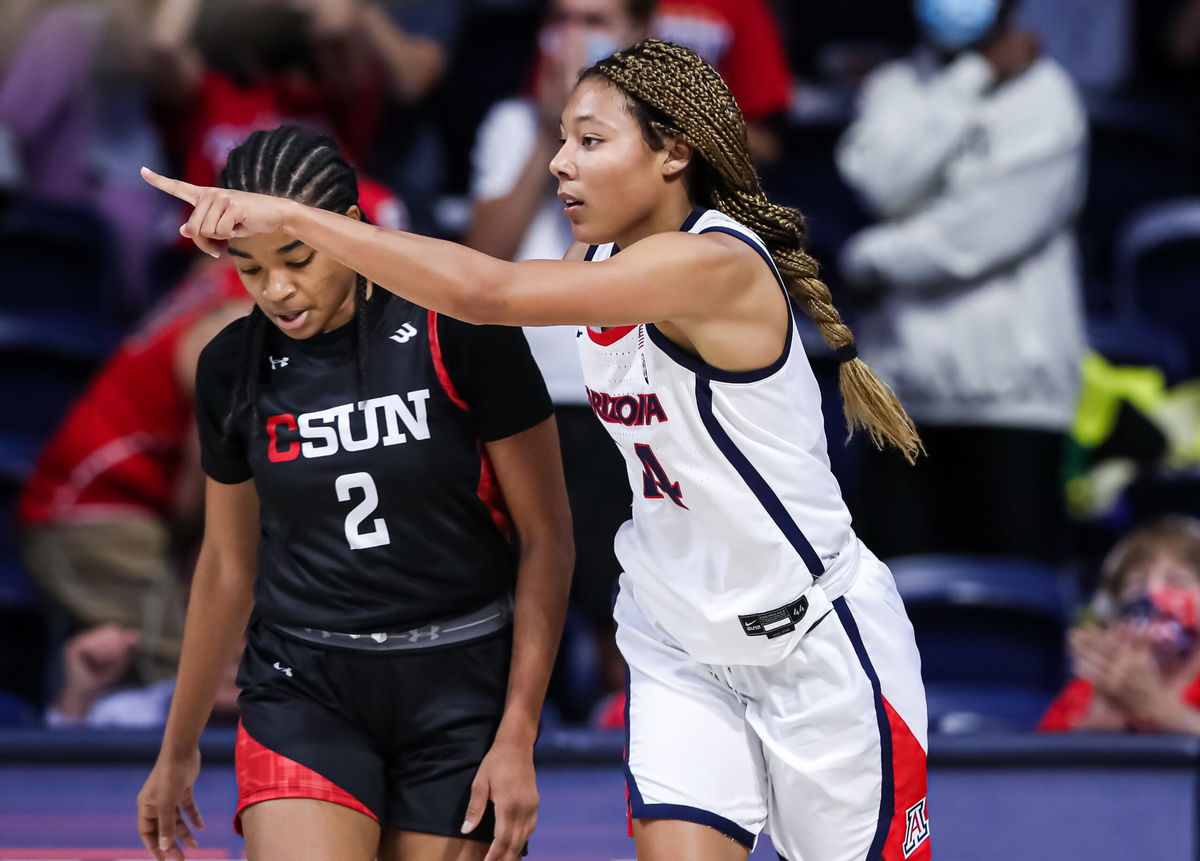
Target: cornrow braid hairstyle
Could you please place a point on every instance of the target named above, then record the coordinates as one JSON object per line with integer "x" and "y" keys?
{"x": 672, "y": 93}
{"x": 305, "y": 166}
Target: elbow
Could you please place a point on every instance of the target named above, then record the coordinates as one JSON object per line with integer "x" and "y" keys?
{"x": 485, "y": 301}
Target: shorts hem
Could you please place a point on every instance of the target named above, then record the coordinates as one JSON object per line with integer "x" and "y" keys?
{"x": 426, "y": 828}
{"x": 313, "y": 792}
{"x": 699, "y": 816}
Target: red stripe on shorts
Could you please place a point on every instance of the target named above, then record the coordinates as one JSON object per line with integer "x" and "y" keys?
{"x": 263, "y": 775}
{"x": 908, "y": 835}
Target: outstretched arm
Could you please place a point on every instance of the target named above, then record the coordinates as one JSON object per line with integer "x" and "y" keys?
{"x": 673, "y": 276}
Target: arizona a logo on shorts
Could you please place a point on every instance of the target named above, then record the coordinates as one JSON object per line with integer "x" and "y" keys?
{"x": 916, "y": 827}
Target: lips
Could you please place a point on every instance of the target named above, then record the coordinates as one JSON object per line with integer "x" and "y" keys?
{"x": 291, "y": 319}
{"x": 570, "y": 203}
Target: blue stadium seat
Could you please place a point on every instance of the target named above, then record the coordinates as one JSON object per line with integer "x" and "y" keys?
{"x": 990, "y": 631}
{"x": 1134, "y": 341}
{"x": 962, "y": 708}
{"x": 60, "y": 279}
{"x": 1157, "y": 271}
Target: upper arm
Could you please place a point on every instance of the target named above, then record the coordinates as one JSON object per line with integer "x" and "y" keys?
{"x": 668, "y": 276}
{"x": 231, "y": 527}
{"x": 529, "y": 469}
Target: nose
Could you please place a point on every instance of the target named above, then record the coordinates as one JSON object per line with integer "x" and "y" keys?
{"x": 561, "y": 167}
{"x": 279, "y": 286}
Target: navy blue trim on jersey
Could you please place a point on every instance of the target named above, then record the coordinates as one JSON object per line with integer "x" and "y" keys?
{"x": 591, "y": 252}
{"x": 699, "y": 366}
{"x": 639, "y": 809}
{"x": 692, "y": 218}
{"x": 754, "y": 480}
{"x": 887, "y": 791}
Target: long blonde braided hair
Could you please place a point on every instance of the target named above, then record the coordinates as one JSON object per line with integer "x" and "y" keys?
{"x": 672, "y": 94}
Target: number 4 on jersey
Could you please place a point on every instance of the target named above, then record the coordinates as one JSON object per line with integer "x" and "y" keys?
{"x": 655, "y": 482}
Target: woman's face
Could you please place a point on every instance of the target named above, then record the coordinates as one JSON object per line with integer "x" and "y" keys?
{"x": 302, "y": 291}
{"x": 613, "y": 186}
{"x": 1158, "y": 571}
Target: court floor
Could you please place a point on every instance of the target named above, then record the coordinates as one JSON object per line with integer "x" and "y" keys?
{"x": 87, "y": 812}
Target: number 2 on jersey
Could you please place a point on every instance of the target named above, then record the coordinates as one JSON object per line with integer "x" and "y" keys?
{"x": 655, "y": 482}
{"x": 378, "y": 534}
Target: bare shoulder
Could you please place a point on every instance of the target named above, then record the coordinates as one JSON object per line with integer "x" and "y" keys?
{"x": 699, "y": 252}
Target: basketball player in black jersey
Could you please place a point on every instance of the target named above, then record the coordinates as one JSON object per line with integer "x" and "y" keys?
{"x": 387, "y": 521}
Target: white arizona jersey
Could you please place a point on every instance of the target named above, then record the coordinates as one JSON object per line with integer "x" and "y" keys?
{"x": 735, "y": 511}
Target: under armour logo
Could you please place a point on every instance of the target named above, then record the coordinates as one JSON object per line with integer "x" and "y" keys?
{"x": 276, "y": 364}
{"x": 287, "y": 671}
{"x": 416, "y": 635}
{"x": 404, "y": 333}
{"x": 916, "y": 827}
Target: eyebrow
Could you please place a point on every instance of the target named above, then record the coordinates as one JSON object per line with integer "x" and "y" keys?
{"x": 283, "y": 249}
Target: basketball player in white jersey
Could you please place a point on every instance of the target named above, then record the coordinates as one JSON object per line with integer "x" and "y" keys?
{"x": 774, "y": 681}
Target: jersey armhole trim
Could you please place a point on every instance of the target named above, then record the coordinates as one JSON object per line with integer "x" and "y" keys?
{"x": 439, "y": 365}
{"x": 701, "y": 368}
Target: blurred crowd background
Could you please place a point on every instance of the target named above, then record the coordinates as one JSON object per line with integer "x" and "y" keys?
{"x": 1003, "y": 196}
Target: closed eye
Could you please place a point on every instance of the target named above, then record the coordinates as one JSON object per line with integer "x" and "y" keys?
{"x": 300, "y": 264}
{"x": 253, "y": 270}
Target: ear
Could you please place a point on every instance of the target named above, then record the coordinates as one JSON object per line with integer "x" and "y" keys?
{"x": 676, "y": 157}
{"x": 355, "y": 212}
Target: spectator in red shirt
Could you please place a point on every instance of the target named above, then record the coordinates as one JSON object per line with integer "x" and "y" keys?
{"x": 226, "y": 69}
{"x": 1138, "y": 664}
{"x": 739, "y": 38}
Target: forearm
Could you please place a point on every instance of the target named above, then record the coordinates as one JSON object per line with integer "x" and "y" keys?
{"x": 543, "y": 583}
{"x": 218, "y": 611}
{"x": 433, "y": 273}
{"x": 414, "y": 64}
{"x": 501, "y": 223}
{"x": 1176, "y": 716}
{"x": 894, "y": 153}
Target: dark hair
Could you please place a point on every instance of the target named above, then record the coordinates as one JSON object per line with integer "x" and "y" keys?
{"x": 641, "y": 10}
{"x": 305, "y": 166}
{"x": 674, "y": 94}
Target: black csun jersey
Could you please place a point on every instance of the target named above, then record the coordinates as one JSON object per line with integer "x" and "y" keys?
{"x": 384, "y": 513}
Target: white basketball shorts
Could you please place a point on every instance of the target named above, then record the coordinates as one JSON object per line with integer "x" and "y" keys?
{"x": 824, "y": 751}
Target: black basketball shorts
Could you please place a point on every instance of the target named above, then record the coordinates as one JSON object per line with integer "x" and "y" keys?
{"x": 396, "y": 736}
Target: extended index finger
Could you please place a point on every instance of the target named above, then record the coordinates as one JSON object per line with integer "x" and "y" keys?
{"x": 185, "y": 191}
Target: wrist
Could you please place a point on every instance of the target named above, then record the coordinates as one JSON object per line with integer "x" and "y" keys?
{"x": 75, "y": 702}
{"x": 518, "y": 730}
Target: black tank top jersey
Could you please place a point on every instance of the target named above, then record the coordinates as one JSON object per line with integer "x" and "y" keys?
{"x": 384, "y": 513}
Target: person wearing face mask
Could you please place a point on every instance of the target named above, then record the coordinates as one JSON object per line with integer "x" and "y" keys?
{"x": 517, "y": 216}
{"x": 1137, "y": 663}
{"x": 971, "y": 153}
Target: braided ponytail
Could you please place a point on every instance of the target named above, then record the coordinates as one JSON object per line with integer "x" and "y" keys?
{"x": 673, "y": 93}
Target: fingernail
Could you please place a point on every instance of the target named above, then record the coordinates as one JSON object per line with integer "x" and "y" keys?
{"x": 467, "y": 825}
{"x": 215, "y": 255}
{"x": 164, "y": 843}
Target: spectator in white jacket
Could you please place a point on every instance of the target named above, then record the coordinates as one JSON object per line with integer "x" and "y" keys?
{"x": 972, "y": 154}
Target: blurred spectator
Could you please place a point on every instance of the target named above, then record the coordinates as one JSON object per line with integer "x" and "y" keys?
{"x": 224, "y": 69}
{"x": 96, "y": 661}
{"x": 1137, "y": 662}
{"x": 73, "y": 124}
{"x": 414, "y": 41}
{"x": 113, "y": 507}
{"x": 739, "y": 38}
{"x": 972, "y": 153}
{"x": 517, "y": 216}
